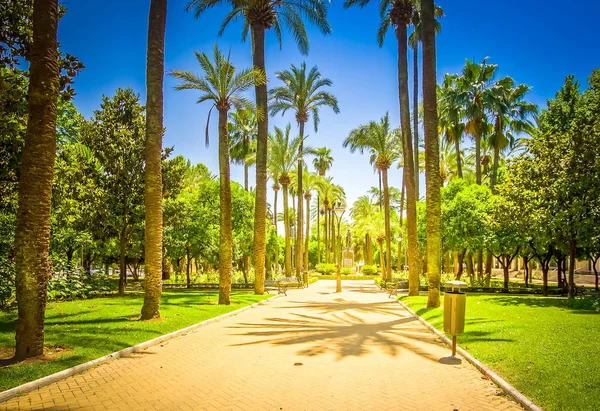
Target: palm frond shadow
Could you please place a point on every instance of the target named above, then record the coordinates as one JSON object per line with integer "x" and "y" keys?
{"x": 343, "y": 334}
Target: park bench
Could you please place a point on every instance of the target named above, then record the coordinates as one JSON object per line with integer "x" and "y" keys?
{"x": 283, "y": 284}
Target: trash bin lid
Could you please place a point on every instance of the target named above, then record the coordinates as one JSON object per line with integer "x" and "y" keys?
{"x": 455, "y": 284}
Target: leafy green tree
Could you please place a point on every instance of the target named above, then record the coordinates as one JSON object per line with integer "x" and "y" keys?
{"x": 382, "y": 142}
{"x": 222, "y": 86}
{"x": 304, "y": 95}
{"x": 242, "y": 133}
{"x": 260, "y": 16}
{"x": 116, "y": 135}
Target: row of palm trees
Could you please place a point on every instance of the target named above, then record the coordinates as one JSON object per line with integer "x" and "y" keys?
{"x": 258, "y": 16}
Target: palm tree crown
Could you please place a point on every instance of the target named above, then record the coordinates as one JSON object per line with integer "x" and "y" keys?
{"x": 323, "y": 160}
{"x": 271, "y": 14}
{"x": 302, "y": 94}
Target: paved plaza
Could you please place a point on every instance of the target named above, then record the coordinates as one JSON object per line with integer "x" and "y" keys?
{"x": 311, "y": 350}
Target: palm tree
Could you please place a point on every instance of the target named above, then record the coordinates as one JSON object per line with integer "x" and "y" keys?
{"x": 222, "y": 86}
{"x": 414, "y": 39}
{"x": 398, "y": 14}
{"x": 451, "y": 115}
{"x": 383, "y": 144}
{"x": 32, "y": 234}
{"x": 260, "y": 16}
{"x": 311, "y": 182}
{"x": 511, "y": 116}
{"x": 330, "y": 194}
{"x": 475, "y": 86}
{"x": 242, "y": 133}
{"x": 153, "y": 156}
{"x": 303, "y": 94}
{"x": 432, "y": 155}
{"x": 322, "y": 162}
{"x": 283, "y": 155}
{"x": 362, "y": 209}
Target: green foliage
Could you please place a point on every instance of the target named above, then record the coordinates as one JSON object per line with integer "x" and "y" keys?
{"x": 326, "y": 269}
{"x": 7, "y": 283}
{"x": 346, "y": 271}
{"x": 370, "y": 270}
{"x": 70, "y": 286}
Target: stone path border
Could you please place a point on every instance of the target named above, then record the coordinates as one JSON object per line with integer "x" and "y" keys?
{"x": 511, "y": 391}
{"x": 61, "y": 375}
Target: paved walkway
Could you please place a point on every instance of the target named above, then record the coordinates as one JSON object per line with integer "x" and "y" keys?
{"x": 312, "y": 350}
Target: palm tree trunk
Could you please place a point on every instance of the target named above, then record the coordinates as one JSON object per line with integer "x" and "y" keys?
{"x": 318, "y": 230}
{"x": 32, "y": 235}
{"x": 409, "y": 168}
{"x": 155, "y": 69}
{"x": 122, "y": 267}
{"x": 416, "y": 115}
{"x": 401, "y": 223}
{"x": 478, "y": 154}
{"x": 226, "y": 235}
{"x": 275, "y": 223}
{"x": 307, "y": 236}
{"x": 382, "y": 262}
{"x": 432, "y": 156}
{"x": 260, "y": 209}
{"x": 286, "y": 223}
{"x": 326, "y": 233}
{"x": 388, "y": 227}
{"x": 458, "y": 157}
{"x": 300, "y": 217}
{"x": 379, "y": 196}
{"x": 188, "y": 265}
{"x": 245, "y": 176}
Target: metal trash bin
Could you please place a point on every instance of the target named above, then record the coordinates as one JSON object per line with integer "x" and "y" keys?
{"x": 454, "y": 310}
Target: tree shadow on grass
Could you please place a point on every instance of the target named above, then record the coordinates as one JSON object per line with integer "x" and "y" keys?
{"x": 580, "y": 306}
{"x": 343, "y": 334}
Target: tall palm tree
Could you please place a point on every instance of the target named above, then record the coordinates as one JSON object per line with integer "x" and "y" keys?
{"x": 304, "y": 95}
{"x": 512, "y": 115}
{"x": 155, "y": 72}
{"x": 242, "y": 133}
{"x": 221, "y": 85}
{"x": 260, "y": 16}
{"x": 283, "y": 155}
{"x": 432, "y": 155}
{"x": 451, "y": 117}
{"x": 398, "y": 14}
{"x": 32, "y": 235}
{"x": 414, "y": 39}
{"x": 322, "y": 162}
{"x": 382, "y": 142}
{"x": 476, "y": 95}
{"x": 311, "y": 182}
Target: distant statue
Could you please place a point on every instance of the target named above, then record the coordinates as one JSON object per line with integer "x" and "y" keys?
{"x": 348, "y": 239}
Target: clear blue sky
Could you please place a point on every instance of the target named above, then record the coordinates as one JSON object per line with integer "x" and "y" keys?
{"x": 535, "y": 44}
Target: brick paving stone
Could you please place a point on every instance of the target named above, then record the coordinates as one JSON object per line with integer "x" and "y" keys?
{"x": 358, "y": 350}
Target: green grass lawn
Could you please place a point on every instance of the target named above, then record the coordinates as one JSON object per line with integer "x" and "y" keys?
{"x": 89, "y": 329}
{"x": 549, "y": 352}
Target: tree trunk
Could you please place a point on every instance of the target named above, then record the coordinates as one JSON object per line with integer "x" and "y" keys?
{"x": 260, "y": 209}
{"x": 318, "y": 230}
{"x": 32, "y": 234}
{"x": 505, "y": 268}
{"x": 409, "y": 168}
{"x": 402, "y": 193}
{"x": 526, "y": 267}
{"x": 166, "y": 267}
{"x": 594, "y": 260}
{"x": 382, "y": 261}
{"x": 458, "y": 157}
{"x": 226, "y": 230}
{"x": 488, "y": 264}
{"x": 275, "y": 191}
{"x": 245, "y": 176}
{"x": 188, "y": 266}
{"x": 478, "y": 152}
{"x": 432, "y": 156}
{"x": 286, "y": 223}
{"x": 307, "y": 239}
{"x": 155, "y": 69}
{"x": 461, "y": 258}
{"x": 572, "y": 262}
{"x": 122, "y": 266}
{"x": 326, "y": 232}
{"x": 416, "y": 116}
{"x": 388, "y": 227}
{"x": 470, "y": 271}
{"x": 480, "y": 264}
{"x": 300, "y": 216}
{"x": 559, "y": 264}
{"x": 495, "y": 167}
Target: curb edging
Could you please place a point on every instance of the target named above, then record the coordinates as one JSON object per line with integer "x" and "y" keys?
{"x": 511, "y": 391}
{"x": 52, "y": 378}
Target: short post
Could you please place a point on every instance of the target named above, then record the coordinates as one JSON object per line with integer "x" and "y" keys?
{"x": 338, "y": 280}
{"x": 454, "y": 310}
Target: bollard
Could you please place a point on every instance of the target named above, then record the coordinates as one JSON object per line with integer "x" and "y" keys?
{"x": 454, "y": 310}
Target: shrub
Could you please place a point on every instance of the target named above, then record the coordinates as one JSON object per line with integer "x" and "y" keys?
{"x": 347, "y": 271}
{"x": 325, "y": 269}
{"x": 70, "y": 286}
{"x": 369, "y": 270}
{"x": 7, "y": 283}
